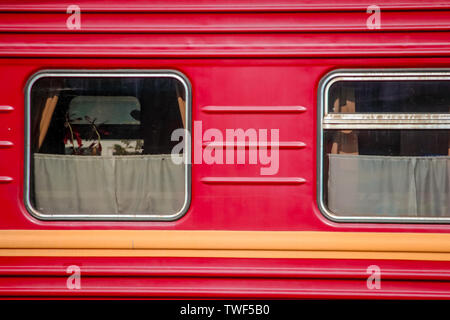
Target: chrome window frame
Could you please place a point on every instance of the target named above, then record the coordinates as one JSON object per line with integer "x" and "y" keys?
{"x": 328, "y": 120}
{"x": 126, "y": 73}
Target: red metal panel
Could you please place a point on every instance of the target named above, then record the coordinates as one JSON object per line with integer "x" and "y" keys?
{"x": 213, "y": 22}
{"x": 221, "y": 5}
{"x": 230, "y": 267}
{"x": 229, "y": 278}
{"x": 237, "y": 83}
{"x": 342, "y": 45}
{"x": 216, "y": 82}
{"x": 221, "y": 288}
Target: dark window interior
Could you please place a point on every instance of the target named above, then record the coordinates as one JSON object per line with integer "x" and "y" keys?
{"x": 396, "y": 142}
{"x": 159, "y": 115}
{"x": 393, "y": 96}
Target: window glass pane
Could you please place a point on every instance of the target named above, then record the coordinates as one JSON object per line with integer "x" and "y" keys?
{"x": 387, "y": 173}
{"x": 389, "y": 97}
{"x": 101, "y": 146}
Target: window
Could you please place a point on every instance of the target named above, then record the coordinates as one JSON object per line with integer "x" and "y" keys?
{"x": 384, "y": 146}
{"x": 99, "y": 145}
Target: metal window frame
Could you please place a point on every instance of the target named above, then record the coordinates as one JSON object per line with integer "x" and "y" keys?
{"x": 126, "y": 73}
{"x": 328, "y": 120}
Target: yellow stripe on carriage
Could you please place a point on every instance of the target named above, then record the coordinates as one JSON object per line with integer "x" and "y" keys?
{"x": 239, "y": 244}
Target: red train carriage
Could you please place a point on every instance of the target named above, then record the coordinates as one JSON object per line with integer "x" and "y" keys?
{"x": 225, "y": 149}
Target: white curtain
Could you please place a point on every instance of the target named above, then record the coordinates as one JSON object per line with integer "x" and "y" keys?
{"x": 137, "y": 184}
{"x": 361, "y": 185}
